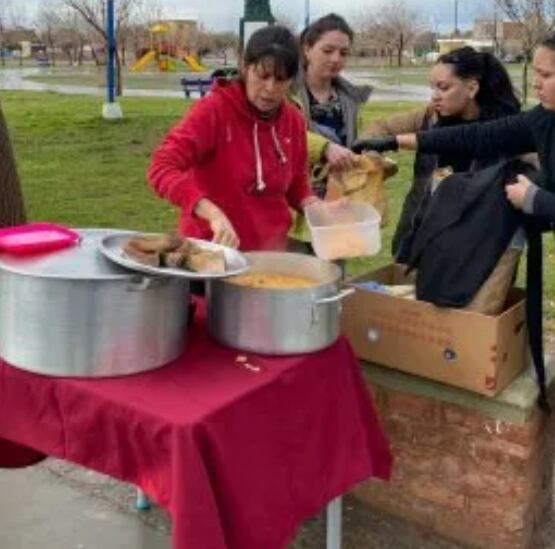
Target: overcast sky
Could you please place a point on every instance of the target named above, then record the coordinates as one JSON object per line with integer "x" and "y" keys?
{"x": 225, "y": 14}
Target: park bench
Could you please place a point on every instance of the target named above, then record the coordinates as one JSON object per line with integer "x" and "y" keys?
{"x": 202, "y": 84}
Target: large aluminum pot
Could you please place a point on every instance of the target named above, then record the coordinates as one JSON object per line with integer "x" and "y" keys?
{"x": 278, "y": 322}
{"x": 74, "y": 313}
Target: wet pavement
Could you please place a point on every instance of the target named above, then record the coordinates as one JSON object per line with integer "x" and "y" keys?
{"x": 18, "y": 79}
{"x": 56, "y": 505}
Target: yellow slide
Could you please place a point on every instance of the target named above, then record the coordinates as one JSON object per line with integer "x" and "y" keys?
{"x": 193, "y": 63}
{"x": 143, "y": 61}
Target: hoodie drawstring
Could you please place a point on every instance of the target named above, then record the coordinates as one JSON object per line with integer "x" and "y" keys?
{"x": 277, "y": 145}
{"x": 260, "y": 183}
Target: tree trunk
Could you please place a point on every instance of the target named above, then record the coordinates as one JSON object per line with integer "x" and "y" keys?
{"x": 12, "y": 210}
{"x": 95, "y": 57}
{"x": 123, "y": 49}
{"x": 400, "y": 51}
{"x": 119, "y": 82}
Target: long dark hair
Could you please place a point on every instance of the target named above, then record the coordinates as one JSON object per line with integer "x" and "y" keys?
{"x": 327, "y": 23}
{"x": 496, "y": 96}
{"x": 276, "y": 46}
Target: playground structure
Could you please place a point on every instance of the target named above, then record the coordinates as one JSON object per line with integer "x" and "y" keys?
{"x": 165, "y": 56}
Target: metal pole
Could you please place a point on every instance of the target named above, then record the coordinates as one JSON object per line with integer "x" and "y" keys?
{"x": 306, "y": 13}
{"x": 333, "y": 524}
{"x": 110, "y": 73}
{"x": 456, "y": 33}
{"x": 111, "y": 110}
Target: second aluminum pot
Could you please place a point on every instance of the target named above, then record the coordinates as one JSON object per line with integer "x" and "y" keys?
{"x": 278, "y": 322}
{"x": 74, "y": 313}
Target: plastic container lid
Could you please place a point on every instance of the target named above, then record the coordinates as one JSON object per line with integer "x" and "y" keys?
{"x": 83, "y": 261}
{"x": 35, "y": 238}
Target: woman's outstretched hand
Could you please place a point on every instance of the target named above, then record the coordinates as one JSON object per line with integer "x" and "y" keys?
{"x": 338, "y": 157}
{"x": 221, "y": 227}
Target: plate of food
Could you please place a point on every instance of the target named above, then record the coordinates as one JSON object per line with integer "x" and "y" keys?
{"x": 172, "y": 255}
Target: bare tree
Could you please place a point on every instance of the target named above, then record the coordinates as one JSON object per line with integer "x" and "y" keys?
{"x": 12, "y": 17}
{"x": 536, "y": 18}
{"x": 93, "y": 13}
{"x": 388, "y": 30}
{"x": 398, "y": 26}
{"x": 48, "y": 26}
{"x": 3, "y": 24}
{"x": 73, "y": 37}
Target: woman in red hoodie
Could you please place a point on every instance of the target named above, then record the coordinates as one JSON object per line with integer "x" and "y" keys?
{"x": 237, "y": 161}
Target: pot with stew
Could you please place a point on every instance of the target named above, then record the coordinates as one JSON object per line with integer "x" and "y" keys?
{"x": 286, "y": 303}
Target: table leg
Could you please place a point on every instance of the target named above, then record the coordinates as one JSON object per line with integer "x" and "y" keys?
{"x": 141, "y": 502}
{"x": 333, "y": 524}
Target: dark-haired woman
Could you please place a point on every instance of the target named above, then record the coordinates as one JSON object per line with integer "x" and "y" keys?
{"x": 330, "y": 102}
{"x": 530, "y": 131}
{"x": 467, "y": 86}
{"x": 237, "y": 161}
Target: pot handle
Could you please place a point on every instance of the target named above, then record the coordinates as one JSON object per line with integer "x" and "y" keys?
{"x": 138, "y": 283}
{"x": 333, "y": 298}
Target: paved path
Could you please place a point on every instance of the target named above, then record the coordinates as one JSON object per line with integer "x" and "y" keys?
{"x": 16, "y": 79}
{"x": 55, "y": 505}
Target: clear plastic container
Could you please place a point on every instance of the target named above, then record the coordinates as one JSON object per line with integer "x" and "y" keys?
{"x": 341, "y": 230}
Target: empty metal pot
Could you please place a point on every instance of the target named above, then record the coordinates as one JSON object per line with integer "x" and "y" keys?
{"x": 278, "y": 322}
{"x": 74, "y": 313}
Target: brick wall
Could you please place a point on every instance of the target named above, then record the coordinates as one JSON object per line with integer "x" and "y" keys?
{"x": 461, "y": 473}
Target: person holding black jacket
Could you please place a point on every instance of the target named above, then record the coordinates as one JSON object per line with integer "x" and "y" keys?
{"x": 532, "y": 131}
{"x": 466, "y": 86}
{"x": 527, "y": 132}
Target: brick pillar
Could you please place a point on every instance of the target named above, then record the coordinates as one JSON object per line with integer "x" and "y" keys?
{"x": 480, "y": 476}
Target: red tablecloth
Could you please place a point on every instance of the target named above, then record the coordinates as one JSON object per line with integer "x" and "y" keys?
{"x": 239, "y": 458}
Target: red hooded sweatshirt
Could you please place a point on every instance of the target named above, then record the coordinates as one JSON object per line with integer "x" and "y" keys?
{"x": 254, "y": 169}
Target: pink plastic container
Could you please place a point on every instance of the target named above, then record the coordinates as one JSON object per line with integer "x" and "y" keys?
{"x": 35, "y": 238}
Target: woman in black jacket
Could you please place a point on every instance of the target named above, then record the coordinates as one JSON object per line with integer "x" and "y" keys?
{"x": 466, "y": 86}
{"x": 530, "y": 131}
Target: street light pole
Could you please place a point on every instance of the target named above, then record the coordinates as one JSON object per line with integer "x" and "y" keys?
{"x": 456, "y": 32}
{"x": 111, "y": 110}
{"x": 306, "y": 13}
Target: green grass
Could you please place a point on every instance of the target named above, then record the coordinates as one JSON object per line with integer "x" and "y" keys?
{"x": 80, "y": 170}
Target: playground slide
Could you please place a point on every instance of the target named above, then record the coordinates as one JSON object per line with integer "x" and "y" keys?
{"x": 143, "y": 61}
{"x": 193, "y": 63}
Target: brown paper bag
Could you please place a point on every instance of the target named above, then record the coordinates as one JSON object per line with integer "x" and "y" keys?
{"x": 364, "y": 182}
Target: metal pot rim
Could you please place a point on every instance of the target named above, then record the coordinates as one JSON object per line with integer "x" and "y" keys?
{"x": 100, "y": 277}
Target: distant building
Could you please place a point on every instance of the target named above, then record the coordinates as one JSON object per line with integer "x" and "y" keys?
{"x": 24, "y": 42}
{"x": 505, "y": 37}
{"x": 500, "y": 37}
{"x": 446, "y": 45}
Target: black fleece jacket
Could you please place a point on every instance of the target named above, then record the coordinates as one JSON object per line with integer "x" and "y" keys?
{"x": 530, "y": 131}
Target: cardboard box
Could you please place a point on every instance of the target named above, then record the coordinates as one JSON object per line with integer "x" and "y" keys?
{"x": 461, "y": 348}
